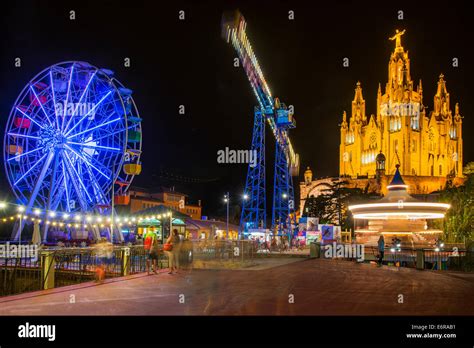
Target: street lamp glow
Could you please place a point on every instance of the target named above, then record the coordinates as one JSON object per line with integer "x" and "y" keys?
{"x": 88, "y": 218}
{"x": 246, "y": 196}
{"x": 284, "y": 195}
{"x": 3, "y": 205}
{"x": 21, "y": 209}
{"x": 77, "y": 217}
{"x": 52, "y": 214}
{"x": 65, "y": 216}
{"x": 37, "y": 212}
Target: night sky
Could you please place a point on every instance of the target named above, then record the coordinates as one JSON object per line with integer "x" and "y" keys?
{"x": 187, "y": 63}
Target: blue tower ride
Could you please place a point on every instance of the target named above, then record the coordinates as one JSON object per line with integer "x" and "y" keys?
{"x": 254, "y": 205}
{"x": 280, "y": 119}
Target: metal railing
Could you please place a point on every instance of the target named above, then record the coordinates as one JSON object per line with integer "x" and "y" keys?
{"x": 454, "y": 259}
{"x": 19, "y": 275}
{"x": 56, "y": 267}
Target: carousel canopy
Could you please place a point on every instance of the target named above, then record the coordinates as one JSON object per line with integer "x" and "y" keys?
{"x": 398, "y": 204}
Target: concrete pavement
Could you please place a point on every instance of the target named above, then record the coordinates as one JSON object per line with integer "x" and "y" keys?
{"x": 305, "y": 287}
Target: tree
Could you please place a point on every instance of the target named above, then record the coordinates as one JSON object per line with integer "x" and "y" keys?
{"x": 331, "y": 207}
{"x": 458, "y": 224}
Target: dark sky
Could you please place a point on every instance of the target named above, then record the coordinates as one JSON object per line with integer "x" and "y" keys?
{"x": 186, "y": 62}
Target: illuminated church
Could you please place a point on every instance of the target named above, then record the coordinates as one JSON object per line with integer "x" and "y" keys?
{"x": 426, "y": 146}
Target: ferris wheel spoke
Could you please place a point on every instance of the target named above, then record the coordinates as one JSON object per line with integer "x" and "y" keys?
{"x": 87, "y": 114}
{"x": 61, "y": 188}
{"x": 91, "y": 158}
{"x": 80, "y": 100}
{"x": 97, "y": 186}
{"x": 67, "y": 97}
{"x": 54, "y": 98}
{"x": 108, "y": 135}
{"x": 77, "y": 175}
{"x": 39, "y": 180}
{"x": 41, "y": 105}
{"x": 59, "y": 192}
{"x": 24, "y": 136}
{"x": 95, "y": 146}
{"x": 31, "y": 168}
{"x": 87, "y": 162}
{"x": 65, "y": 187}
{"x": 24, "y": 154}
{"x": 79, "y": 195}
{"x": 29, "y": 117}
{"x": 95, "y": 127}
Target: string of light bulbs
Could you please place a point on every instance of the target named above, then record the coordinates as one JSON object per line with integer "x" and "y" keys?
{"x": 76, "y": 220}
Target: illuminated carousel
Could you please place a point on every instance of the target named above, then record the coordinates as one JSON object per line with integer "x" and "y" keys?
{"x": 397, "y": 215}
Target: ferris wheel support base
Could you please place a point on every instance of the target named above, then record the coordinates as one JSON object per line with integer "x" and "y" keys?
{"x": 17, "y": 229}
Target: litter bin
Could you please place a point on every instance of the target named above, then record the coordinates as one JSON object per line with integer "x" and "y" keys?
{"x": 420, "y": 259}
{"x": 315, "y": 250}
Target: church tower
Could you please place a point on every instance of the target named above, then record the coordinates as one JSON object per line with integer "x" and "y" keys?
{"x": 428, "y": 148}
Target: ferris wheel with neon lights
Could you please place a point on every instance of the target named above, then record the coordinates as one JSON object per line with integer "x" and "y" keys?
{"x": 73, "y": 140}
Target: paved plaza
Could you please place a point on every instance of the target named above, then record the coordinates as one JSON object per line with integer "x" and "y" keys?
{"x": 315, "y": 286}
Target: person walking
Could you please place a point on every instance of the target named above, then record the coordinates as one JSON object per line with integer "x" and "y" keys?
{"x": 177, "y": 244}
{"x": 172, "y": 243}
{"x": 381, "y": 247}
{"x": 152, "y": 259}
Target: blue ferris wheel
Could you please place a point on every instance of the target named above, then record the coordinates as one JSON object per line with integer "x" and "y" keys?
{"x": 73, "y": 136}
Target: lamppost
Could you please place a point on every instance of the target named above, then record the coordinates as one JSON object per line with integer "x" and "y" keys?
{"x": 21, "y": 209}
{"x": 285, "y": 197}
{"x": 242, "y": 234}
{"x": 226, "y": 200}
{"x": 171, "y": 222}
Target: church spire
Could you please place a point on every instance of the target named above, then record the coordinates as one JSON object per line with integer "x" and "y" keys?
{"x": 441, "y": 99}
{"x": 358, "y": 105}
{"x": 457, "y": 115}
{"x": 344, "y": 120}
